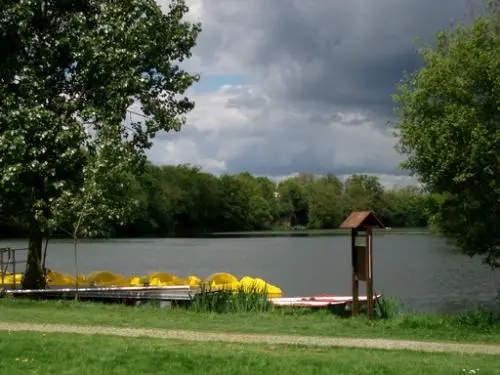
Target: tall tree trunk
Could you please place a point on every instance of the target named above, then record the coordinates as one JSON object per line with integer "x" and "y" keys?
{"x": 44, "y": 259}
{"x": 34, "y": 276}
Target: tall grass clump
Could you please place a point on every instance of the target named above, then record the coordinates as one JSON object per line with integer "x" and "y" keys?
{"x": 479, "y": 319}
{"x": 227, "y": 300}
{"x": 388, "y": 308}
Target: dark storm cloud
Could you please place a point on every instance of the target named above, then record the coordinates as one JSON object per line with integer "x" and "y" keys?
{"x": 310, "y": 165}
{"x": 349, "y": 54}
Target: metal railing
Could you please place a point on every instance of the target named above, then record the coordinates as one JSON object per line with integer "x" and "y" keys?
{"x": 8, "y": 263}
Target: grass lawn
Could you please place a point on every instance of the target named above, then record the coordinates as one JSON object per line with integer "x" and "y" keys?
{"x": 473, "y": 327}
{"x": 37, "y": 353}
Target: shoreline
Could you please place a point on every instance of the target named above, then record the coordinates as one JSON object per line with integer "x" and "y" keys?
{"x": 248, "y": 234}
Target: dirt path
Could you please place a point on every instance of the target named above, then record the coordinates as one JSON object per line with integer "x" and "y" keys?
{"x": 256, "y": 339}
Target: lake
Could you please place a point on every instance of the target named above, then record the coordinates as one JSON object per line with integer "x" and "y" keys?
{"x": 421, "y": 270}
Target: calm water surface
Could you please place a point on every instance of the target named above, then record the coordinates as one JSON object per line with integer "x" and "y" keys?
{"x": 421, "y": 270}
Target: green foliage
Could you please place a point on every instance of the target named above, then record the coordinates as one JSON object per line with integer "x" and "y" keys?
{"x": 448, "y": 129}
{"x": 293, "y": 200}
{"x": 325, "y": 203}
{"x": 183, "y": 201}
{"x": 235, "y": 203}
{"x": 69, "y": 73}
{"x": 388, "y": 308}
{"x": 229, "y": 301}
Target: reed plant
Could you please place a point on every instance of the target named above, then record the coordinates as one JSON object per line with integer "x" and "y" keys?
{"x": 388, "y": 308}
{"x": 228, "y": 300}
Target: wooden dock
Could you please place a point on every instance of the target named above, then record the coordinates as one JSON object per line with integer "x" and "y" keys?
{"x": 130, "y": 295}
{"x": 169, "y": 296}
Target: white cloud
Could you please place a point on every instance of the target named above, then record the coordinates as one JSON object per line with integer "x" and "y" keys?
{"x": 239, "y": 128}
{"x": 185, "y": 151}
{"x": 213, "y": 114}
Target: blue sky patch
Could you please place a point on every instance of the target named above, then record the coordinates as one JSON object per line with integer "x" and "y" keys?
{"x": 212, "y": 82}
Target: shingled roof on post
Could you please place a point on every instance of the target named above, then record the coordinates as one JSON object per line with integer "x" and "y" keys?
{"x": 360, "y": 220}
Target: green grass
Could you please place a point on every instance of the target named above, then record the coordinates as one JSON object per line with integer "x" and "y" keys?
{"x": 471, "y": 327}
{"x": 64, "y": 354}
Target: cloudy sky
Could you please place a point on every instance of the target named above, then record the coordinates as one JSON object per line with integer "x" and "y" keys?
{"x": 301, "y": 86}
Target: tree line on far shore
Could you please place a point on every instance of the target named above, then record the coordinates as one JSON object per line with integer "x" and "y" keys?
{"x": 184, "y": 201}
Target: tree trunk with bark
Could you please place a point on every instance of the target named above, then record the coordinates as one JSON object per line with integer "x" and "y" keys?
{"x": 34, "y": 277}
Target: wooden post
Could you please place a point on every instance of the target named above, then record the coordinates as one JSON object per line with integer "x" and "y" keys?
{"x": 362, "y": 256}
{"x": 369, "y": 280}
{"x": 355, "y": 281}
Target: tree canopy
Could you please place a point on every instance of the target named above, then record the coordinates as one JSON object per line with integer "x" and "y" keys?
{"x": 185, "y": 201}
{"x": 69, "y": 71}
{"x": 449, "y": 129}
